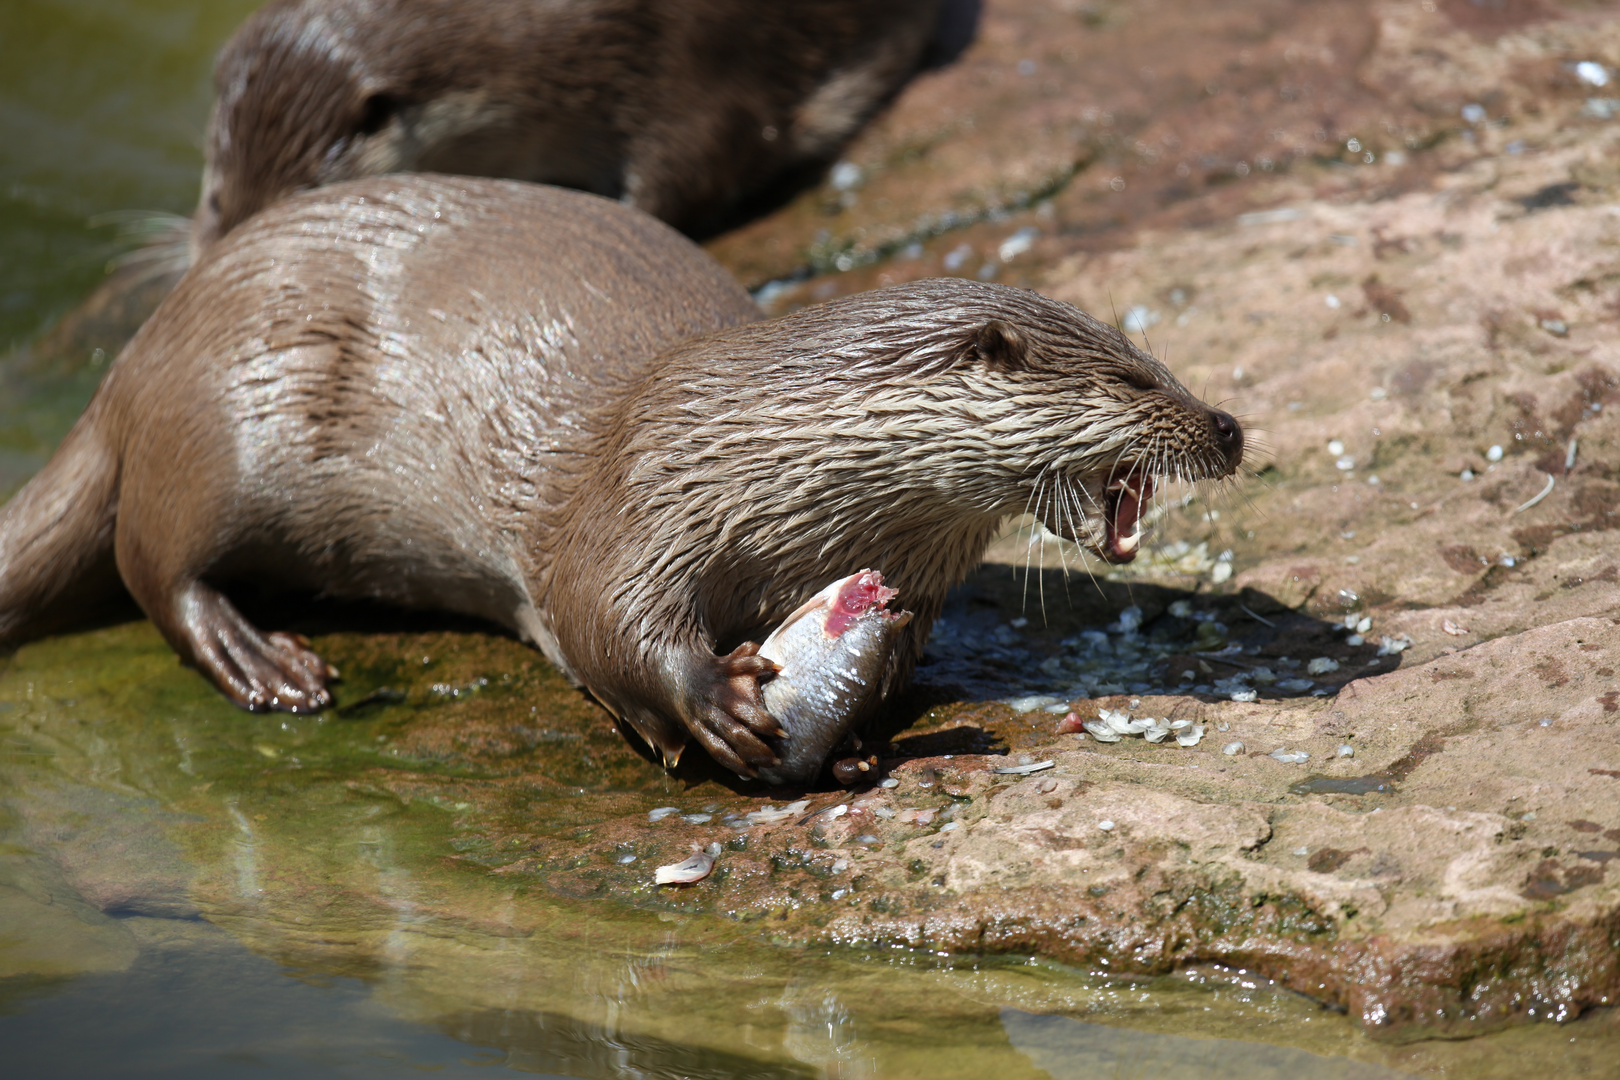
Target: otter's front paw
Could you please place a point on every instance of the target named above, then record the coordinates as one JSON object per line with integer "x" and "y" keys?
{"x": 727, "y": 713}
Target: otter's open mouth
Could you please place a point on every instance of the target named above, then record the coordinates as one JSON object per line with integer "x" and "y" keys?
{"x": 1123, "y": 500}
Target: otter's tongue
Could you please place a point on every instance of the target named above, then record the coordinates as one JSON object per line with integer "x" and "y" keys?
{"x": 1125, "y": 499}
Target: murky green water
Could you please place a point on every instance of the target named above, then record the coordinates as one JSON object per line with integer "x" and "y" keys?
{"x": 102, "y": 107}
{"x": 186, "y": 890}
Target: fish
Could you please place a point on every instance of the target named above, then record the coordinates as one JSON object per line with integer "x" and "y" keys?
{"x": 831, "y": 655}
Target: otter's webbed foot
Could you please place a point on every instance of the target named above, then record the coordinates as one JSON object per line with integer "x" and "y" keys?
{"x": 727, "y": 713}
{"x": 258, "y": 671}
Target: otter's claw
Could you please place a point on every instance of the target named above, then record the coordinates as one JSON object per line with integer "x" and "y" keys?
{"x": 258, "y": 671}
{"x": 730, "y": 718}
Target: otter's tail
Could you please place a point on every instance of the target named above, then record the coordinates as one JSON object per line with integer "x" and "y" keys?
{"x": 56, "y": 538}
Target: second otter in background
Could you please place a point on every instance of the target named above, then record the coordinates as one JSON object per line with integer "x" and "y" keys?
{"x": 699, "y": 112}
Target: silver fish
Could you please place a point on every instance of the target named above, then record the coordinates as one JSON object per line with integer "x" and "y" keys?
{"x": 832, "y": 653}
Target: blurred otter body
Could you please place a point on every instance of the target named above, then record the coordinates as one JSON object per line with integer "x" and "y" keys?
{"x": 694, "y": 111}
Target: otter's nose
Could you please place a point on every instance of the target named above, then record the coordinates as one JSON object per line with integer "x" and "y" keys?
{"x": 1228, "y": 436}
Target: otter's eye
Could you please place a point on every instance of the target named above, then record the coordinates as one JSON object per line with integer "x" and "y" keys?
{"x": 376, "y": 112}
{"x": 1140, "y": 379}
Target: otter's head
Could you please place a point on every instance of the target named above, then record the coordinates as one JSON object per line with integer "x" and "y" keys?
{"x": 896, "y": 429}
{"x": 311, "y": 92}
{"x": 1083, "y": 425}
{"x": 994, "y": 402}
{"x": 295, "y": 103}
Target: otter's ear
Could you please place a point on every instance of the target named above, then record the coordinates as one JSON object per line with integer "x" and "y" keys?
{"x": 1001, "y": 346}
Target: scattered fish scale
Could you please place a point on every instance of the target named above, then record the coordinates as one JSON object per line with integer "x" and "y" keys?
{"x": 686, "y": 872}
{"x": 1389, "y": 646}
{"x": 1100, "y": 731}
{"x": 1024, "y": 770}
{"x": 1113, "y": 724}
{"x": 771, "y": 815}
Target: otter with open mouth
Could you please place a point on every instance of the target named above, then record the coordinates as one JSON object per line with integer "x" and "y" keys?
{"x": 462, "y": 395}
{"x": 897, "y": 430}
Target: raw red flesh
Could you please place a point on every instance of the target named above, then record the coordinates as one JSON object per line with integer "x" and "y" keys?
{"x": 858, "y": 595}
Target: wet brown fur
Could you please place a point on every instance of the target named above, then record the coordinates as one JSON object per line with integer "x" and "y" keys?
{"x": 462, "y": 412}
{"x": 896, "y": 429}
{"x": 691, "y": 110}
{"x": 366, "y": 392}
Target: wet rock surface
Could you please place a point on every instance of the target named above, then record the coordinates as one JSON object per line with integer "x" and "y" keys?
{"x": 1384, "y": 236}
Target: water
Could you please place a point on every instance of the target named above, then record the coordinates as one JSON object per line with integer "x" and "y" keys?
{"x": 186, "y": 890}
{"x": 102, "y": 108}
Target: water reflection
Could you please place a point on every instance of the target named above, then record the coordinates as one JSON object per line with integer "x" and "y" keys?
{"x": 194, "y": 1003}
{"x": 1072, "y": 1050}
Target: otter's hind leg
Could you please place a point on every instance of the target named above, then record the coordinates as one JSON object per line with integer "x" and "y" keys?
{"x": 256, "y": 670}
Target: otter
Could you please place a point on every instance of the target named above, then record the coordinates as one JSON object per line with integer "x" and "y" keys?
{"x": 358, "y": 343}
{"x": 465, "y": 396}
{"x": 699, "y": 112}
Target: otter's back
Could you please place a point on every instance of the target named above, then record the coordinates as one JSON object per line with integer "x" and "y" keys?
{"x": 409, "y": 356}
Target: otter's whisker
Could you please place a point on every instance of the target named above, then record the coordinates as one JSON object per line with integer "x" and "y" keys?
{"x": 1034, "y": 536}
{"x": 1078, "y": 518}
{"x": 1034, "y": 487}
{"x": 1037, "y": 536}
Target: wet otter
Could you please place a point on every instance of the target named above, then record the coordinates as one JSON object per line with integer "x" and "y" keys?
{"x": 897, "y": 430}
{"x": 692, "y": 110}
{"x": 392, "y": 390}
{"x": 305, "y": 348}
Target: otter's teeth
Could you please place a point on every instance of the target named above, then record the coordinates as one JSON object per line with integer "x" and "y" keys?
{"x": 1127, "y": 544}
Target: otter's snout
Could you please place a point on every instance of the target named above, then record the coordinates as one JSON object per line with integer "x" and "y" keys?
{"x": 1227, "y": 435}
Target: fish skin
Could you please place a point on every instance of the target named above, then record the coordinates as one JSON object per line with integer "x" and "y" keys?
{"x": 832, "y": 653}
